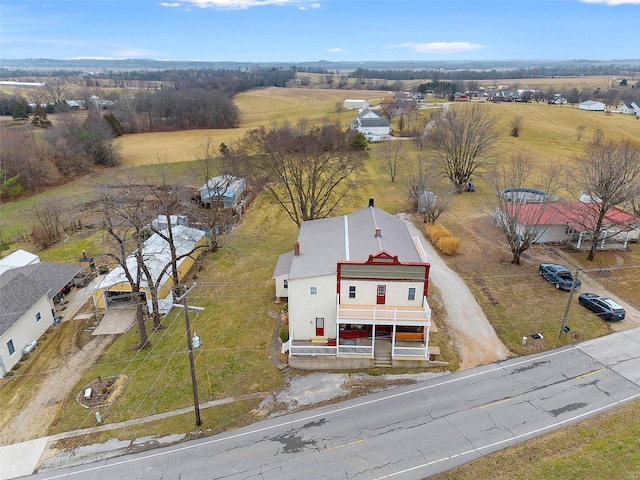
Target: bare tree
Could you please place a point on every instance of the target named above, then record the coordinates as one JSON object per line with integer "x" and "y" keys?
{"x": 580, "y": 130}
{"x": 58, "y": 91}
{"x": 517, "y": 214}
{"x": 307, "y": 175}
{"x": 609, "y": 173}
{"x": 428, "y": 191}
{"x": 391, "y": 153}
{"x": 125, "y": 219}
{"x": 388, "y": 108}
{"x": 463, "y": 137}
{"x": 49, "y": 215}
{"x": 516, "y": 125}
{"x": 598, "y": 137}
{"x": 218, "y": 173}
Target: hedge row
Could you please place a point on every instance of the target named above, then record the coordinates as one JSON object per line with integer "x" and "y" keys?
{"x": 442, "y": 239}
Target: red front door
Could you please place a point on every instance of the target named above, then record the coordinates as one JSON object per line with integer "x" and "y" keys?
{"x": 319, "y": 327}
{"x": 381, "y": 293}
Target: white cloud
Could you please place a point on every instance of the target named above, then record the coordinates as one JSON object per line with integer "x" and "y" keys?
{"x": 613, "y": 2}
{"x": 244, "y": 4}
{"x": 167, "y": 4}
{"x": 312, "y": 6}
{"x": 440, "y": 47}
{"x": 91, "y": 57}
{"x": 337, "y": 50}
{"x": 135, "y": 53}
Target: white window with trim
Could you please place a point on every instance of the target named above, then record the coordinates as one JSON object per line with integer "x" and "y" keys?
{"x": 313, "y": 290}
{"x": 352, "y": 291}
{"x": 412, "y": 293}
{"x": 38, "y": 317}
{"x": 286, "y": 283}
{"x": 11, "y": 347}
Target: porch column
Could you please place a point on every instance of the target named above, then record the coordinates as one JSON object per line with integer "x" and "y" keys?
{"x": 426, "y": 341}
{"x": 373, "y": 340}
{"x": 579, "y": 241}
{"x": 626, "y": 239}
{"x": 393, "y": 340}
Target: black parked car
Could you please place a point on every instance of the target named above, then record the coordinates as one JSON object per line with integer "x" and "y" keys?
{"x": 604, "y": 307}
{"x": 559, "y": 275}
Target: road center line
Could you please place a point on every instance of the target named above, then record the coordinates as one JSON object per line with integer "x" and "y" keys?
{"x": 591, "y": 373}
{"x": 253, "y": 431}
{"x": 343, "y": 445}
{"x": 495, "y": 403}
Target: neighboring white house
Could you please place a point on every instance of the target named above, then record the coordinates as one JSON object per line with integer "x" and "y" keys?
{"x": 557, "y": 99}
{"x": 352, "y": 104}
{"x": 157, "y": 255}
{"x": 631, "y": 108}
{"x": 592, "y": 106}
{"x": 370, "y": 122}
{"x": 27, "y": 306}
{"x": 19, "y": 258}
{"x": 356, "y": 287}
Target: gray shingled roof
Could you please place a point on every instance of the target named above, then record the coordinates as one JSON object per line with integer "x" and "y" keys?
{"x": 17, "y": 296}
{"x": 54, "y": 276}
{"x": 325, "y": 242}
{"x": 22, "y": 287}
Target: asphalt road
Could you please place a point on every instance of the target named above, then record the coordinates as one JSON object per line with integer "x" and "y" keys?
{"x": 410, "y": 432}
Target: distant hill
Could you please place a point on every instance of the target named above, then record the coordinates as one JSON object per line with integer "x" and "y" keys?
{"x": 448, "y": 65}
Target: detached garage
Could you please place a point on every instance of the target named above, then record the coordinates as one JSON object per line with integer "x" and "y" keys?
{"x": 115, "y": 285}
{"x": 592, "y": 106}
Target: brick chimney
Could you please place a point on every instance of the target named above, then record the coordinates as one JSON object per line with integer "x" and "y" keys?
{"x": 296, "y": 248}
{"x": 378, "y": 232}
{"x": 371, "y": 203}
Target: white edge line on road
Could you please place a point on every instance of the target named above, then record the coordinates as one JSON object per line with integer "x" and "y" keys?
{"x": 517, "y": 437}
{"x": 311, "y": 417}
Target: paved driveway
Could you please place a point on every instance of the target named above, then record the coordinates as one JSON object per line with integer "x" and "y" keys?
{"x": 115, "y": 321}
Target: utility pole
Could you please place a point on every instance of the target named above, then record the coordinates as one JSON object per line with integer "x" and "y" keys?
{"x": 194, "y": 383}
{"x": 566, "y": 310}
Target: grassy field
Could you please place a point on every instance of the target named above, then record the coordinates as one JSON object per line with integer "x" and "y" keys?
{"x": 260, "y": 107}
{"x": 236, "y": 327}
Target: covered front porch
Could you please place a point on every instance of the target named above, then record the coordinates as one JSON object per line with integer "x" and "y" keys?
{"x": 366, "y": 331}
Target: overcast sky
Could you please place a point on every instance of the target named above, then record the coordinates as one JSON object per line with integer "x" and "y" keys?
{"x": 335, "y": 30}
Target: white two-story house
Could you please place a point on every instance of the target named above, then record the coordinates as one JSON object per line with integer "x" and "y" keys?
{"x": 356, "y": 287}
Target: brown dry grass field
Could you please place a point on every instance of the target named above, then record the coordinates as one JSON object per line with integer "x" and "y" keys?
{"x": 260, "y": 107}
{"x": 235, "y": 361}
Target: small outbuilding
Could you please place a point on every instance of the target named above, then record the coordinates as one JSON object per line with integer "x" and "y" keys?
{"x": 353, "y": 104}
{"x": 592, "y": 106}
{"x": 225, "y": 189}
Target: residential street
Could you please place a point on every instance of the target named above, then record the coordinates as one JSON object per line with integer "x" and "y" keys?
{"x": 410, "y": 432}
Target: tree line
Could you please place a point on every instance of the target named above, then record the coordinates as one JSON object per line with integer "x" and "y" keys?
{"x": 32, "y": 159}
{"x": 493, "y": 74}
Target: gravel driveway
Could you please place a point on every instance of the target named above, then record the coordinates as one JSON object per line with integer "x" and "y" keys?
{"x": 475, "y": 338}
